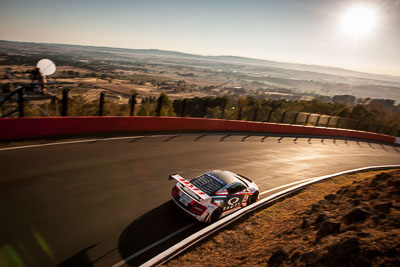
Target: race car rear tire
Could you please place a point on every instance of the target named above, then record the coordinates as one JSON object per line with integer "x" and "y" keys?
{"x": 253, "y": 198}
{"x": 215, "y": 215}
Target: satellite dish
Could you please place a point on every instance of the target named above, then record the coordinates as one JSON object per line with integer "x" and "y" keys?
{"x": 46, "y": 66}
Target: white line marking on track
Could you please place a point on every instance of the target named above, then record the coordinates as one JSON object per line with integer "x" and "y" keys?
{"x": 75, "y": 142}
{"x": 49, "y": 144}
{"x": 136, "y": 137}
{"x": 152, "y": 245}
{"x": 286, "y": 185}
{"x": 108, "y": 139}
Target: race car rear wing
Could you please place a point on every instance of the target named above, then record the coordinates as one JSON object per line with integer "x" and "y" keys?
{"x": 189, "y": 186}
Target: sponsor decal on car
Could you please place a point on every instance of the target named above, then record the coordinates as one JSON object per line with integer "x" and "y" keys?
{"x": 184, "y": 199}
{"x": 232, "y": 209}
{"x": 232, "y": 203}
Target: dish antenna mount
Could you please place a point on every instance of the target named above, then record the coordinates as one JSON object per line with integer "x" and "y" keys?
{"x": 46, "y": 67}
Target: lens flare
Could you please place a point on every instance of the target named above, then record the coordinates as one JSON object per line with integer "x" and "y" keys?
{"x": 359, "y": 21}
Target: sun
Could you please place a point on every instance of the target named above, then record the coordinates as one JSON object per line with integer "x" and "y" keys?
{"x": 359, "y": 21}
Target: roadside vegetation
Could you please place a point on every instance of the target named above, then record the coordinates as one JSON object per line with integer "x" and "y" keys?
{"x": 194, "y": 87}
{"x": 367, "y": 116}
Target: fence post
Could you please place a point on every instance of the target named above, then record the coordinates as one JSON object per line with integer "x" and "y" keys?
{"x": 317, "y": 122}
{"x": 159, "y": 105}
{"x": 240, "y": 113}
{"x": 21, "y": 102}
{"x": 64, "y": 103}
{"x": 390, "y": 130}
{"x": 183, "y": 107}
{"x": 269, "y": 115}
{"x": 378, "y": 128}
{"x": 133, "y": 103}
{"x": 295, "y": 117}
{"x": 327, "y": 123}
{"x": 101, "y": 103}
{"x": 283, "y": 116}
{"x": 255, "y": 114}
{"x": 223, "y": 110}
{"x": 307, "y": 118}
{"x": 205, "y": 107}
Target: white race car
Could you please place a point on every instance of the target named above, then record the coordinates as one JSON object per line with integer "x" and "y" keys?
{"x": 214, "y": 194}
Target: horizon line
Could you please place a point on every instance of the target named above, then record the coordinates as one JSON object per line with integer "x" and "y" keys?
{"x": 204, "y": 55}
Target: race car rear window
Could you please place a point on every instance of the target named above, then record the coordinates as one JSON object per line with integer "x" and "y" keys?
{"x": 207, "y": 184}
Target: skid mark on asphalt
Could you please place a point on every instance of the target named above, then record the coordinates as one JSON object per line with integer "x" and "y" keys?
{"x": 199, "y": 137}
{"x": 245, "y": 137}
{"x": 171, "y": 138}
{"x": 137, "y": 139}
{"x": 224, "y": 137}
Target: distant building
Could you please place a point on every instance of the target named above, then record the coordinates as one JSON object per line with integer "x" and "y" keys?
{"x": 346, "y": 99}
{"x": 383, "y": 102}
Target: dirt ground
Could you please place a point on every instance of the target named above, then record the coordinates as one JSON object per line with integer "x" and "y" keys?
{"x": 114, "y": 85}
{"x": 352, "y": 220}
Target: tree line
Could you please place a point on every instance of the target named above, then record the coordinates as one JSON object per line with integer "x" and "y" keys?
{"x": 368, "y": 117}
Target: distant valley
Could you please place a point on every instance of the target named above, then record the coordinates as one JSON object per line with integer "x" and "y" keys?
{"x": 183, "y": 74}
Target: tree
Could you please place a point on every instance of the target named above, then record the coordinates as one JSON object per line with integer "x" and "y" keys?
{"x": 167, "y": 108}
{"x": 242, "y": 103}
{"x": 360, "y": 112}
{"x": 344, "y": 112}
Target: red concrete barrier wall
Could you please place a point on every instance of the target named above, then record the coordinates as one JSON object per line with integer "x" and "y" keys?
{"x": 26, "y": 128}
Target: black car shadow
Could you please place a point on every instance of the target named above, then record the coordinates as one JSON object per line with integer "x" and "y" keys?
{"x": 146, "y": 236}
{"x": 79, "y": 259}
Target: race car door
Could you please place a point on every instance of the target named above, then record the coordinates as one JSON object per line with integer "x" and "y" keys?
{"x": 235, "y": 196}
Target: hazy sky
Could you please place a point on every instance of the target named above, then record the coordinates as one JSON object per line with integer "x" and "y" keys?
{"x": 282, "y": 30}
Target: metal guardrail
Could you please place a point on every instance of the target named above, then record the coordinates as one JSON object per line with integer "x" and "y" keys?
{"x": 211, "y": 229}
{"x": 20, "y": 102}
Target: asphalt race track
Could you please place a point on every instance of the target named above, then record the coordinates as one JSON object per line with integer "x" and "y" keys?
{"x": 103, "y": 201}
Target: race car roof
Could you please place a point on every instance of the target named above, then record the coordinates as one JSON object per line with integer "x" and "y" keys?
{"x": 226, "y": 176}
{"x": 212, "y": 181}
